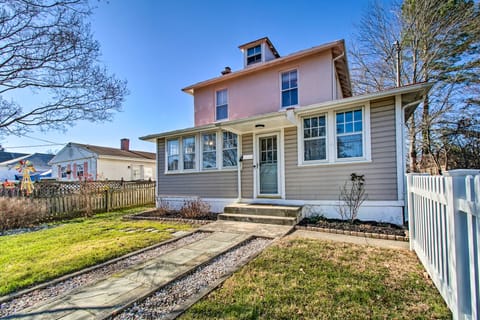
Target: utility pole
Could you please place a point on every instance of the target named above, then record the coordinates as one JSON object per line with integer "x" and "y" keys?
{"x": 397, "y": 49}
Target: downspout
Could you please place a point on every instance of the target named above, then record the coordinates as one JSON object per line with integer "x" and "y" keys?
{"x": 334, "y": 82}
{"x": 403, "y": 124}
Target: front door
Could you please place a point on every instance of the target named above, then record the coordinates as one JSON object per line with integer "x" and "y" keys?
{"x": 268, "y": 165}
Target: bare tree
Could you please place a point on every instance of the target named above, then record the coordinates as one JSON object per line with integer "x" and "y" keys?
{"x": 440, "y": 44}
{"x": 46, "y": 46}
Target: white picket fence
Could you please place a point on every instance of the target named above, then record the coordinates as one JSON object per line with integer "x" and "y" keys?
{"x": 444, "y": 222}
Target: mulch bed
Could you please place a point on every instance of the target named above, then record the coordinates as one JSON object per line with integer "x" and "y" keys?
{"x": 366, "y": 228}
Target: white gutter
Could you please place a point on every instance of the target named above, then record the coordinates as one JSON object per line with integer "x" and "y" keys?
{"x": 334, "y": 78}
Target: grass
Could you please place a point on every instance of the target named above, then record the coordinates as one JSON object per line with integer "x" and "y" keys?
{"x": 31, "y": 258}
{"x": 310, "y": 279}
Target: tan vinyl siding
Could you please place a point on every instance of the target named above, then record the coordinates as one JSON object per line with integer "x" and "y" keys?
{"x": 323, "y": 182}
{"x": 215, "y": 184}
{"x": 247, "y": 167}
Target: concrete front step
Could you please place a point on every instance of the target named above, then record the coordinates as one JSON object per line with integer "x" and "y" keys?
{"x": 264, "y": 210}
{"x": 265, "y": 219}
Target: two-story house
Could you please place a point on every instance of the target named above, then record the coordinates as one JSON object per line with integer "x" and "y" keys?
{"x": 287, "y": 130}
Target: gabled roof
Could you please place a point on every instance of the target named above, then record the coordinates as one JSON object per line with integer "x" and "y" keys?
{"x": 114, "y": 152}
{"x": 338, "y": 53}
{"x": 38, "y": 159}
{"x": 5, "y": 156}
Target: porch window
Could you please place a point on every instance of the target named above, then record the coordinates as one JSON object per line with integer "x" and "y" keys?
{"x": 349, "y": 130}
{"x": 254, "y": 55}
{"x": 230, "y": 145}
{"x": 188, "y": 153}
{"x": 314, "y": 138}
{"x": 289, "y": 88}
{"x": 209, "y": 150}
{"x": 222, "y": 104}
{"x": 173, "y": 154}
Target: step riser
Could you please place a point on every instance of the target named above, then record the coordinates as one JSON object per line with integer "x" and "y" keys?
{"x": 258, "y": 219}
{"x": 266, "y": 212}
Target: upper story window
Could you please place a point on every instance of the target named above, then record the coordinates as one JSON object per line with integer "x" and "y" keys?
{"x": 289, "y": 88}
{"x": 221, "y": 104}
{"x": 254, "y": 55}
{"x": 230, "y": 145}
{"x": 314, "y": 138}
{"x": 209, "y": 150}
{"x": 188, "y": 153}
{"x": 349, "y": 130}
{"x": 173, "y": 155}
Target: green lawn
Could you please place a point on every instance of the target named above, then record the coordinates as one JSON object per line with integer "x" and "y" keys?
{"x": 35, "y": 257}
{"x": 309, "y": 279}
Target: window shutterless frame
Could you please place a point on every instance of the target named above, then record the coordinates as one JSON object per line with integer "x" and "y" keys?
{"x": 221, "y": 104}
{"x": 289, "y": 88}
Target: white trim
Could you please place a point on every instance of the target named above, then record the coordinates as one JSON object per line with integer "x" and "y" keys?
{"x": 281, "y": 157}
{"x": 280, "y": 73}
{"x": 399, "y": 147}
{"x": 280, "y": 186}
{"x": 301, "y": 140}
{"x": 216, "y": 105}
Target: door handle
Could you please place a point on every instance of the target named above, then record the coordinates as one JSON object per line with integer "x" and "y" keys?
{"x": 254, "y": 166}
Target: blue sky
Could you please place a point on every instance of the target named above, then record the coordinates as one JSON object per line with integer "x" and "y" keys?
{"x": 161, "y": 46}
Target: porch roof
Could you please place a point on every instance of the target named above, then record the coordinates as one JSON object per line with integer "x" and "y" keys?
{"x": 411, "y": 97}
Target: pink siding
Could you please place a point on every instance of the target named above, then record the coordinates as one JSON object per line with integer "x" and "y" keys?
{"x": 259, "y": 93}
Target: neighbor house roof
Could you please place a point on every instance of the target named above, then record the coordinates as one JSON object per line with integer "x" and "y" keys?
{"x": 114, "y": 152}
{"x": 338, "y": 53}
{"x": 38, "y": 159}
{"x": 5, "y": 156}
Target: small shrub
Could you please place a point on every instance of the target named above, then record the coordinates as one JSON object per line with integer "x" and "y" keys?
{"x": 21, "y": 213}
{"x": 163, "y": 208}
{"x": 194, "y": 209}
{"x": 352, "y": 195}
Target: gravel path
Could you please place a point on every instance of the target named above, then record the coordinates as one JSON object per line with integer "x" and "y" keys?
{"x": 34, "y": 297}
{"x": 170, "y": 297}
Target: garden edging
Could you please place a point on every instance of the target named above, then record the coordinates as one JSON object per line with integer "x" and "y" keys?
{"x": 355, "y": 233}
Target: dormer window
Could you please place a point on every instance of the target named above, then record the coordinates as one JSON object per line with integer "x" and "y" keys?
{"x": 258, "y": 51}
{"x": 254, "y": 55}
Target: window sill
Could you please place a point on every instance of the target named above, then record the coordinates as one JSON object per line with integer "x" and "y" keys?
{"x": 201, "y": 172}
{"x": 337, "y": 163}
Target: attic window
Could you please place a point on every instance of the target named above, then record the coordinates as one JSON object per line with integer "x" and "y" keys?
{"x": 254, "y": 55}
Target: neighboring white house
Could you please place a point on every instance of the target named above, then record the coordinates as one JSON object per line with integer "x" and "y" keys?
{"x": 76, "y": 160}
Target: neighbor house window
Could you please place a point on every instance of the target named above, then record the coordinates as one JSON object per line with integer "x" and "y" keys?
{"x": 289, "y": 88}
{"x": 222, "y": 105}
{"x": 209, "y": 150}
{"x": 173, "y": 154}
{"x": 229, "y": 153}
{"x": 314, "y": 138}
{"x": 79, "y": 170}
{"x": 349, "y": 128}
{"x": 63, "y": 171}
{"x": 254, "y": 55}
{"x": 188, "y": 153}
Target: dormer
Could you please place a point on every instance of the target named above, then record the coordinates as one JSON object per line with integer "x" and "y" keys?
{"x": 258, "y": 51}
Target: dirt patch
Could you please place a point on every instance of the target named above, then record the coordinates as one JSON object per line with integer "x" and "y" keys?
{"x": 356, "y": 226}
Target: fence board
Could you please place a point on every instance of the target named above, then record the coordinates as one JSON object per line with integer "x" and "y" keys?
{"x": 70, "y": 198}
{"x": 444, "y": 228}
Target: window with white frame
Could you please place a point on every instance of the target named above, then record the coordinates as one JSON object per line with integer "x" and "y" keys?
{"x": 314, "y": 138}
{"x": 188, "y": 153}
{"x": 289, "y": 88}
{"x": 254, "y": 55}
{"x": 173, "y": 154}
{"x": 222, "y": 104}
{"x": 349, "y": 131}
{"x": 79, "y": 172}
{"x": 209, "y": 150}
{"x": 229, "y": 152}
{"x": 63, "y": 172}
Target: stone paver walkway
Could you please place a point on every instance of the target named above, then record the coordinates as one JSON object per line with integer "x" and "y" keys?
{"x": 100, "y": 299}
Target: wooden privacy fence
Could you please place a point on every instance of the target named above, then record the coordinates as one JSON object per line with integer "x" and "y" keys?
{"x": 444, "y": 223}
{"x": 71, "y": 198}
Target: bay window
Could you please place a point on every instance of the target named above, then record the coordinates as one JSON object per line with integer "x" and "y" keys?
{"x": 173, "y": 155}
{"x": 209, "y": 150}
{"x": 230, "y": 145}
